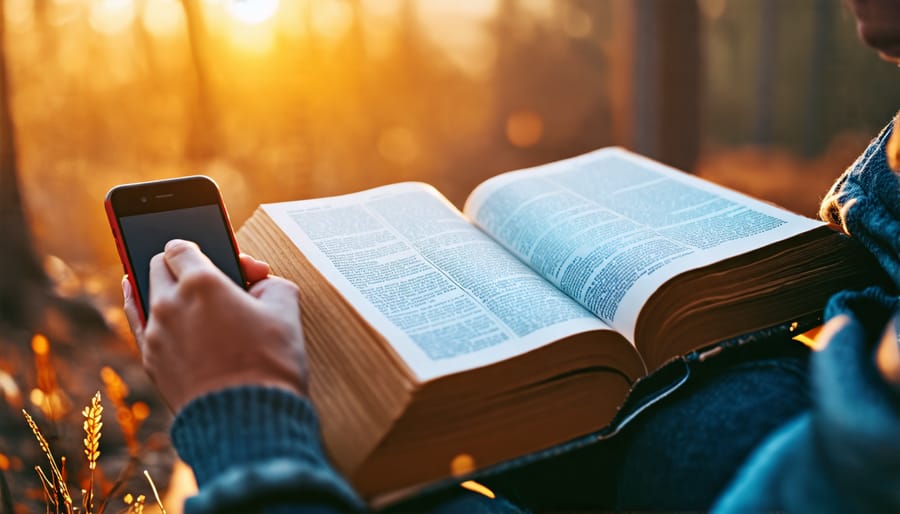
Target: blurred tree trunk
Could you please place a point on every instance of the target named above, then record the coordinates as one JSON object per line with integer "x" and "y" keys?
{"x": 148, "y": 49}
{"x": 204, "y": 130}
{"x": 814, "y": 101}
{"x": 48, "y": 39}
{"x": 766, "y": 70}
{"x": 26, "y": 292}
{"x": 620, "y": 54}
{"x": 20, "y": 271}
{"x": 667, "y": 69}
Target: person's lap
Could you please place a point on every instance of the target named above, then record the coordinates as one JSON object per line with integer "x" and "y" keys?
{"x": 678, "y": 455}
{"x": 682, "y": 454}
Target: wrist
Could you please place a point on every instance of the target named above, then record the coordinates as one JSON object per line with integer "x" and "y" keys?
{"x": 200, "y": 388}
{"x": 246, "y": 424}
{"x": 252, "y": 447}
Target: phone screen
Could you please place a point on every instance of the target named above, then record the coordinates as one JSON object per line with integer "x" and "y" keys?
{"x": 146, "y": 235}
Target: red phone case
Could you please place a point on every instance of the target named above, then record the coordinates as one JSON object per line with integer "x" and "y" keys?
{"x": 123, "y": 252}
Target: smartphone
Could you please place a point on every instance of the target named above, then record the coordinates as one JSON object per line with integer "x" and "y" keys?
{"x": 145, "y": 216}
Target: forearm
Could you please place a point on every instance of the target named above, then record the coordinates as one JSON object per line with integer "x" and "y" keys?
{"x": 256, "y": 448}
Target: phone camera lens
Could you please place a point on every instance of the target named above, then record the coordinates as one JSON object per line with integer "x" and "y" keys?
{"x": 143, "y": 199}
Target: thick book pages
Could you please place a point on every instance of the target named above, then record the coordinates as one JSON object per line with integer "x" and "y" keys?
{"x": 522, "y": 323}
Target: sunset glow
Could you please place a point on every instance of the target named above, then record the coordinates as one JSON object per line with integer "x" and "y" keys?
{"x": 330, "y": 18}
{"x": 112, "y": 17}
{"x": 252, "y": 11}
{"x": 163, "y": 18}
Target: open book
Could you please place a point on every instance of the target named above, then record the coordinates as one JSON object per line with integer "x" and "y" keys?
{"x": 523, "y": 321}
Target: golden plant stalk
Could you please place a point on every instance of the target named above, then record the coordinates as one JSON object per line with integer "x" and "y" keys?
{"x": 46, "y": 484}
{"x": 58, "y": 482}
{"x": 162, "y": 508}
{"x": 59, "y": 501}
{"x": 136, "y": 505}
{"x": 159, "y": 502}
{"x": 93, "y": 423}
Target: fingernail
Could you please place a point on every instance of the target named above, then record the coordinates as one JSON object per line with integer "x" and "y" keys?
{"x": 171, "y": 244}
{"x": 126, "y": 288}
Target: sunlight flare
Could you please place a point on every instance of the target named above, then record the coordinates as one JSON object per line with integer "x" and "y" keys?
{"x": 112, "y": 17}
{"x": 331, "y": 18}
{"x": 163, "y": 18}
{"x": 252, "y": 12}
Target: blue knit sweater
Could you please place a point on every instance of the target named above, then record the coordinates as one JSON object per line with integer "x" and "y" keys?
{"x": 252, "y": 446}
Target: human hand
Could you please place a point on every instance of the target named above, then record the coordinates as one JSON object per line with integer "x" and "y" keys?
{"x": 203, "y": 333}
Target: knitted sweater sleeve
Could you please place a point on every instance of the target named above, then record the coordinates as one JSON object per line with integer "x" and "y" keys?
{"x": 865, "y": 203}
{"x": 258, "y": 449}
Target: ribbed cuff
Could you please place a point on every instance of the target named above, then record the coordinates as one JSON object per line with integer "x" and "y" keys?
{"x": 269, "y": 434}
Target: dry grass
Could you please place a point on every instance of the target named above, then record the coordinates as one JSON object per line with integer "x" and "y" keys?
{"x": 93, "y": 422}
{"x": 56, "y": 491}
{"x": 55, "y": 488}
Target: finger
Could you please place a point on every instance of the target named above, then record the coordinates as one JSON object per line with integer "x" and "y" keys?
{"x": 893, "y": 146}
{"x": 184, "y": 257}
{"x": 278, "y": 293}
{"x": 254, "y": 269}
{"x": 132, "y": 313}
{"x": 161, "y": 279}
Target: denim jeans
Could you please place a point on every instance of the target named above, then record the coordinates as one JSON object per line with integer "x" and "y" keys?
{"x": 676, "y": 443}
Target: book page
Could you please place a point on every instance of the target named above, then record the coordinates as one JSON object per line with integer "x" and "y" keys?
{"x": 444, "y": 294}
{"x": 609, "y": 227}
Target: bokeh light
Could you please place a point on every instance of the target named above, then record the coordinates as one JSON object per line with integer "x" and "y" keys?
{"x": 712, "y": 9}
{"x": 576, "y": 22}
{"x": 383, "y": 8}
{"x": 398, "y": 145}
{"x": 460, "y": 30}
{"x": 40, "y": 345}
{"x": 331, "y": 19}
{"x": 251, "y": 11}
{"x": 19, "y": 14}
{"x": 292, "y": 18}
{"x": 62, "y": 12}
{"x": 112, "y": 17}
{"x": 254, "y": 39}
{"x": 524, "y": 128}
{"x": 163, "y": 18}
{"x": 461, "y": 464}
